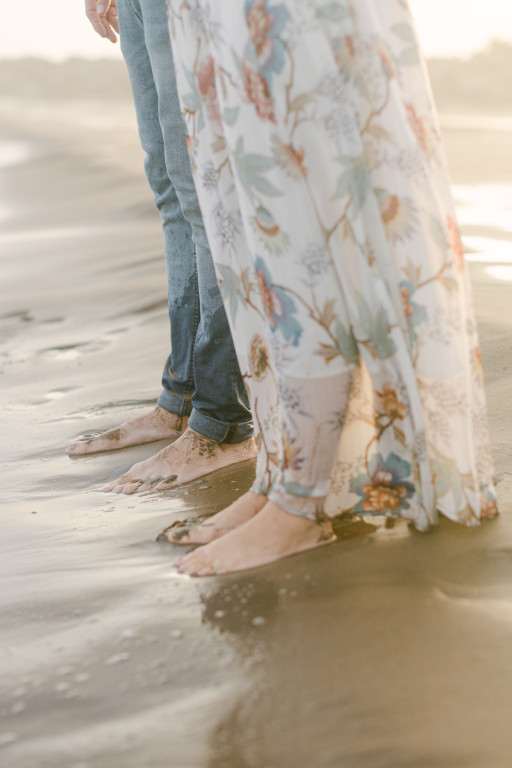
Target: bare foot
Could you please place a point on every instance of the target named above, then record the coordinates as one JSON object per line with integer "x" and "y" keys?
{"x": 268, "y": 536}
{"x": 190, "y": 457}
{"x": 223, "y": 522}
{"x": 158, "y": 424}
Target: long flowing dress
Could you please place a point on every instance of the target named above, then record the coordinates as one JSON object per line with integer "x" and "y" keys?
{"x": 321, "y": 176}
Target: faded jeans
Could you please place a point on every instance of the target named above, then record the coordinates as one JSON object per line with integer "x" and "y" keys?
{"x": 201, "y": 377}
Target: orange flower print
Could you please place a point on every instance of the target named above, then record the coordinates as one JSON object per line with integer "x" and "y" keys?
{"x": 388, "y": 66}
{"x": 258, "y": 93}
{"x": 260, "y": 23}
{"x": 398, "y": 216}
{"x": 476, "y": 360}
{"x": 266, "y": 25}
{"x": 418, "y": 125}
{"x": 268, "y": 231}
{"x": 292, "y": 458}
{"x": 414, "y": 313}
{"x": 456, "y": 244}
{"x": 383, "y": 498}
{"x": 345, "y": 56}
{"x": 488, "y": 503}
{"x": 271, "y": 301}
{"x": 258, "y": 357}
{"x": 405, "y": 293}
{"x": 384, "y": 488}
{"x": 389, "y": 403}
{"x": 208, "y": 88}
{"x": 278, "y": 306}
{"x": 289, "y": 159}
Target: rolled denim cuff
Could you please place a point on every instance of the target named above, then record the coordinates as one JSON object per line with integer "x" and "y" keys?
{"x": 220, "y": 431}
{"x": 181, "y": 405}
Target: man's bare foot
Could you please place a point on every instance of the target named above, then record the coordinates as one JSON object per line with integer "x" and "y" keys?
{"x": 223, "y": 522}
{"x": 190, "y": 457}
{"x": 158, "y": 424}
{"x": 268, "y": 536}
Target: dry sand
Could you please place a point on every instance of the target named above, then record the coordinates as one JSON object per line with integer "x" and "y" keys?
{"x": 387, "y": 650}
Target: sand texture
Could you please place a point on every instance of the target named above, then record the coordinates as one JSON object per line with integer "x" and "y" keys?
{"x": 390, "y": 649}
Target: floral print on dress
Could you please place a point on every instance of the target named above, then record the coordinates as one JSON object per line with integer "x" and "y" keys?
{"x": 384, "y": 489}
{"x": 323, "y": 183}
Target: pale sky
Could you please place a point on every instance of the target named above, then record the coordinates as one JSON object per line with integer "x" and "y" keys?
{"x": 58, "y": 29}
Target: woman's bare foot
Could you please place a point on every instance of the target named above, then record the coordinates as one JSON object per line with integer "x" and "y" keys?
{"x": 158, "y": 424}
{"x": 189, "y": 457}
{"x": 223, "y": 522}
{"x": 268, "y": 536}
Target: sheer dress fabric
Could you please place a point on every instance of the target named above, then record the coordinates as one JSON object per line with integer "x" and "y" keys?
{"x": 321, "y": 176}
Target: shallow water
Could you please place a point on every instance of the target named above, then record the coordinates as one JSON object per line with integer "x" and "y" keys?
{"x": 13, "y": 153}
{"x": 390, "y": 649}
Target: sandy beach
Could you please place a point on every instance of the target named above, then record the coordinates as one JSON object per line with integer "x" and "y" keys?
{"x": 389, "y": 649}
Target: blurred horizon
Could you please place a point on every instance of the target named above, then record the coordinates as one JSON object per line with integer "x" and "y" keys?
{"x": 447, "y": 29}
{"x": 476, "y": 85}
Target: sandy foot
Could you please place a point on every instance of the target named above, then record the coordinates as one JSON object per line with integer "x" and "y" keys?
{"x": 190, "y": 457}
{"x": 268, "y": 536}
{"x": 223, "y": 522}
{"x": 158, "y": 424}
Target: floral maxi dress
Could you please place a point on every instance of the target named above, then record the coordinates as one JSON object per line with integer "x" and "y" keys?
{"x": 321, "y": 176}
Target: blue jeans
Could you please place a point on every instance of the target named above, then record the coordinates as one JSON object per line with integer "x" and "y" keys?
{"x": 201, "y": 377}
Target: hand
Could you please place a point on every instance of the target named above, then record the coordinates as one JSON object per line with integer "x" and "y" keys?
{"x": 103, "y": 16}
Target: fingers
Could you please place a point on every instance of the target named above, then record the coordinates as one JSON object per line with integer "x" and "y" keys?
{"x": 111, "y": 16}
{"x": 103, "y": 17}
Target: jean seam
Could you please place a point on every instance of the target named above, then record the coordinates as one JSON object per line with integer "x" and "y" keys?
{"x": 231, "y": 432}
{"x": 197, "y": 316}
{"x": 138, "y": 16}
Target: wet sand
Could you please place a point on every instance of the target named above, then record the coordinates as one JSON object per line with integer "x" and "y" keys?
{"x": 389, "y": 649}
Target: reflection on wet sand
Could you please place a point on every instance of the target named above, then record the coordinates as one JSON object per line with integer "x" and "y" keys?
{"x": 389, "y": 649}
{"x": 372, "y": 653}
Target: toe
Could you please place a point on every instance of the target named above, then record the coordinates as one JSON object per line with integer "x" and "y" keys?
{"x": 166, "y": 483}
{"x": 202, "y": 572}
{"x": 197, "y": 563}
{"x": 146, "y": 485}
{"x": 179, "y": 535}
{"x": 117, "y": 483}
{"x": 131, "y": 487}
{"x": 186, "y": 562}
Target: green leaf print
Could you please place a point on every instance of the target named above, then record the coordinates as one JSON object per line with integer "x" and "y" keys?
{"x": 250, "y": 169}
{"x": 410, "y": 57}
{"x": 447, "y": 479}
{"x": 230, "y": 115}
{"x": 333, "y": 11}
{"x": 192, "y": 100}
{"x": 375, "y": 325}
{"x": 405, "y": 31}
{"x": 355, "y": 181}
{"x": 347, "y": 343}
{"x": 439, "y": 233}
{"x": 231, "y": 288}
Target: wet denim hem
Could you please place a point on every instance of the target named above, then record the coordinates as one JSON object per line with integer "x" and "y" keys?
{"x": 181, "y": 405}
{"x": 220, "y": 431}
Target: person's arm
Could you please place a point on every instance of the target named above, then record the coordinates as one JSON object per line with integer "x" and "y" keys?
{"x": 103, "y": 16}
